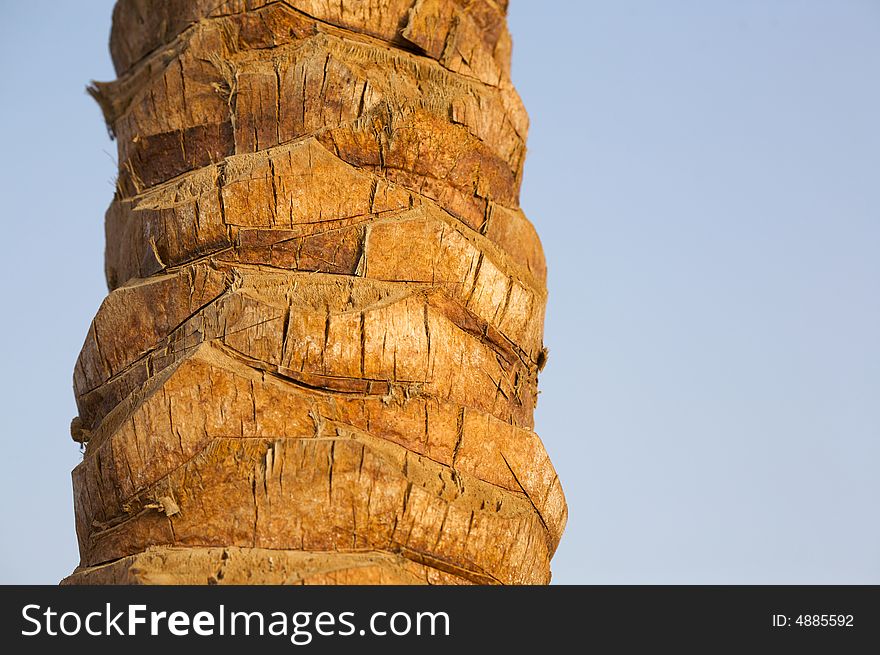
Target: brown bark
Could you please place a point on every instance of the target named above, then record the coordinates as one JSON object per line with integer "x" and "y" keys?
{"x": 318, "y": 360}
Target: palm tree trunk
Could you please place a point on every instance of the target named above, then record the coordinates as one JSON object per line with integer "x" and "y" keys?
{"x": 318, "y": 359}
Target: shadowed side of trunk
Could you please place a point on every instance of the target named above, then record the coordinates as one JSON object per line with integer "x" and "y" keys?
{"x": 318, "y": 360}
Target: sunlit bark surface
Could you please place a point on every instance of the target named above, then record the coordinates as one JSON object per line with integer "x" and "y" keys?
{"x": 318, "y": 359}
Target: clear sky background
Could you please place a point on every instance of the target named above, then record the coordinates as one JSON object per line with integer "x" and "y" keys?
{"x": 705, "y": 176}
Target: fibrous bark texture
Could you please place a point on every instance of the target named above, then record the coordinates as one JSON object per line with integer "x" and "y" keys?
{"x": 318, "y": 359}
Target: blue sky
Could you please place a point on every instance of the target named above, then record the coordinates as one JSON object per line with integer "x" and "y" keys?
{"x": 705, "y": 177}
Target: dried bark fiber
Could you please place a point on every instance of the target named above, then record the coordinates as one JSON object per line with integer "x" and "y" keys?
{"x": 318, "y": 360}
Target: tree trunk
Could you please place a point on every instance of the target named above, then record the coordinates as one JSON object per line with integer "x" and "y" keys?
{"x": 318, "y": 359}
